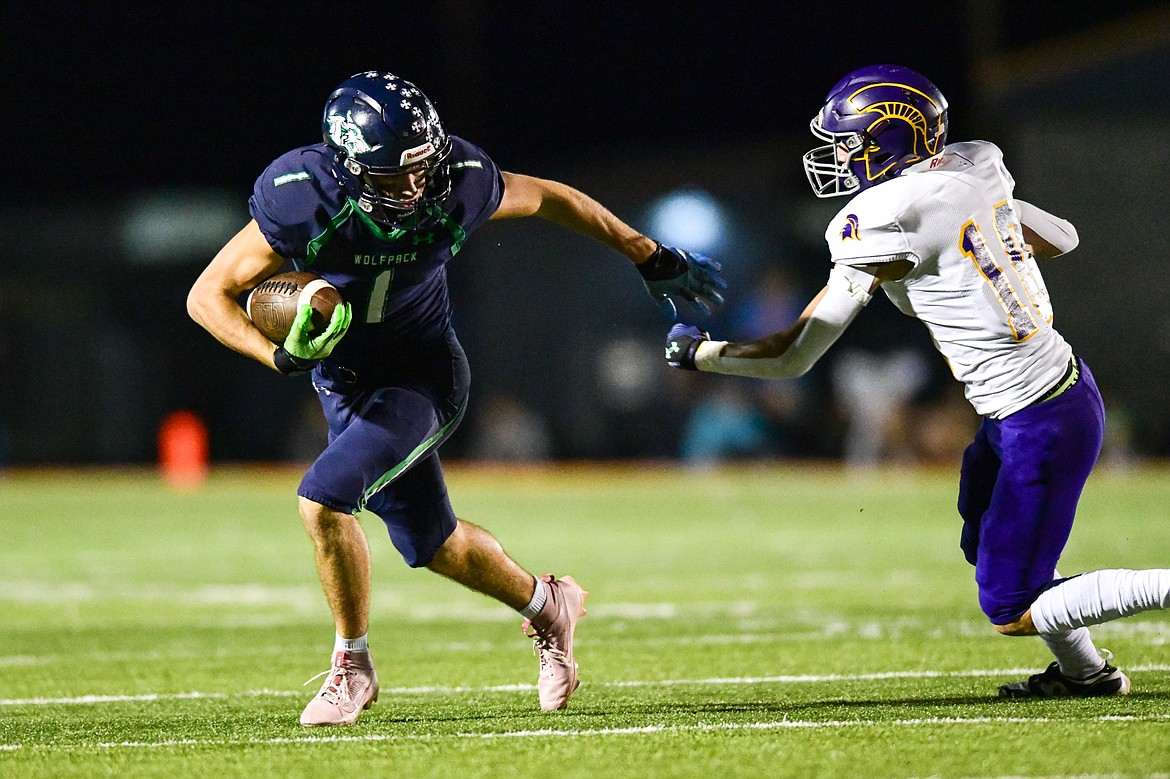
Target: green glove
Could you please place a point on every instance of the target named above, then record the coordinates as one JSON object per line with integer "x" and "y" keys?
{"x": 306, "y": 351}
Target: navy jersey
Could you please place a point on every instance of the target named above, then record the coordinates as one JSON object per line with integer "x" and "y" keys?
{"x": 395, "y": 279}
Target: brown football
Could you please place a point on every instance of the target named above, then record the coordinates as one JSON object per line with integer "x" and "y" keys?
{"x": 272, "y": 306}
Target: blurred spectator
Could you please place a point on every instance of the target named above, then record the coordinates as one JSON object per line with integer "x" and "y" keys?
{"x": 725, "y": 424}
{"x": 308, "y": 432}
{"x": 770, "y": 305}
{"x": 631, "y": 394}
{"x": 508, "y": 431}
{"x": 943, "y": 427}
{"x": 747, "y": 418}
{"x": 874, "y": 391}
{"x": 1117, "y": 450}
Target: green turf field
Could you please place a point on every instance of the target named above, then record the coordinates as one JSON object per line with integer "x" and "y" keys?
{"x": 769, "y": 622}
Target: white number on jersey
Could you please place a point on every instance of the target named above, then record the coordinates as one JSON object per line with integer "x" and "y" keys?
{"x": 1022, "y": 318}
{"x": 379, "y": 296}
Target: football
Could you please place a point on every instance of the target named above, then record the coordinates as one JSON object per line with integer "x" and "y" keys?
{"x": 272, "y": 305}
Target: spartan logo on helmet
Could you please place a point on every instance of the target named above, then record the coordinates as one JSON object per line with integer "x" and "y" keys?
{"x": 878, "y": 121}
{"x": 923, "y": 139}
{"x": 346, "y": 133}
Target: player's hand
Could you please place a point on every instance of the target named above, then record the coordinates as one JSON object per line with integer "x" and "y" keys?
{"x": 301, "y": 351}
{"x": 681, "y": 344}
{"x": 675, "y": 273}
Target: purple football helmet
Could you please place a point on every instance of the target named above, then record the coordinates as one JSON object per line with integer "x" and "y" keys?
{"x": 878, "y": 120}
{"x": 383, "y": 128}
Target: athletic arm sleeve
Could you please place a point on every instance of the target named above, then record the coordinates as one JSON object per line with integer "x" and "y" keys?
{"x": 1056, "y": 231}
{"x": 845, "y": 294}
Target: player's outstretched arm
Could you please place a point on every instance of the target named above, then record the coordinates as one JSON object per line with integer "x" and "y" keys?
{"x": 668, "y": 273}
{"x": 786, "y": 354}
{"x": 243, "y": 262}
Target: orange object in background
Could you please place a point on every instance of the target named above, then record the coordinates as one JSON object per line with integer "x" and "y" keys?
{"x": 183, "y": 450}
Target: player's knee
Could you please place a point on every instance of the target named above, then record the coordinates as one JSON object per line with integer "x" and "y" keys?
{"x": 426, "y": 555}
{"x": 430, "y": 548}
{"x": 464, "y": 544}
{"x": 1010, "y": 629}
{"x": 319, "y": 519}
{"x": 311, "y": 511}
{"x": 1020, "y": 627}
{"x": 449, "y": 549}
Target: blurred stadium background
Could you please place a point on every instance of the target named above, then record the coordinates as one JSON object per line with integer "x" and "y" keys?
{"x": 134, "y": 135}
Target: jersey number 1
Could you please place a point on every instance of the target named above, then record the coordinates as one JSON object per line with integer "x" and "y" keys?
{"x": 1021, "y": 317}
{"x": 379, "y": 295}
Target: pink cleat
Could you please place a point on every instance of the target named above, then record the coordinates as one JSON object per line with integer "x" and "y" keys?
{"x": 350, "y": 688}
{"x": 551, "y": 632}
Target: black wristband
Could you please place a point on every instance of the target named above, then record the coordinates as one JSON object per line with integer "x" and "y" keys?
{"x": 686, "y": 358}
{"x": 289, "y": 365}
{"x": 662, "y": 265}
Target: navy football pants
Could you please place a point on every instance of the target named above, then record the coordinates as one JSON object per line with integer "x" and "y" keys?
{"x": 1022, "y": 477}
{"x": 382, "y": 454}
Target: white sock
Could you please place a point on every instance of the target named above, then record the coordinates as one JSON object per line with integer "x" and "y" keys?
{"x": 539, "y": 596}
{"x": 1074, "y": 653}
{"x": 358, "y": 644}
{"x": 1100, "y": 596}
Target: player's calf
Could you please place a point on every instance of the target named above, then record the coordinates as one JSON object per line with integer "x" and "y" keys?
{"x": 1021, "y": 627}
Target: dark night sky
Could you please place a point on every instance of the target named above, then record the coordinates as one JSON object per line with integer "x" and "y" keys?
{"x": 105, "y": 100}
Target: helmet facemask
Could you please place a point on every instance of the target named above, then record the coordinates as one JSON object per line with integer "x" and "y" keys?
{"x": 829, "y": 171}
{"x": 392, "y": 196}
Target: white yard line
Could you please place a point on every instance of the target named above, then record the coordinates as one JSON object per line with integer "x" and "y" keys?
{"x": 545, "y": 733}
{"x": 1151, "y": 633}
{"x": 439, "y": 689}
{"x": 298, "y": 600}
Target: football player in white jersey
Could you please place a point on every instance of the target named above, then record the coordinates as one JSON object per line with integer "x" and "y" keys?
{"x": 938, "y": 228}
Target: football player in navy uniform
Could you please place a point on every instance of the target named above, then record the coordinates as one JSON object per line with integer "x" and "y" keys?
{"x": 938, "y": 227}
{"x": 379, "y": 209}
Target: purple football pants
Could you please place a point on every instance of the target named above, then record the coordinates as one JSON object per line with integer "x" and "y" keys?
{"x": 1022, "y": 477}
{"x": 383, "y": 448}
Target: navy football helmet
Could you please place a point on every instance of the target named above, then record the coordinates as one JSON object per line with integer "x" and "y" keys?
{"x": 389, "y": 138}
{"x": 878, "y": 120}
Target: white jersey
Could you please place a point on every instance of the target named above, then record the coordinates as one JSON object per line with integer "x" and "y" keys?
{"x": 973, "y": 285}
